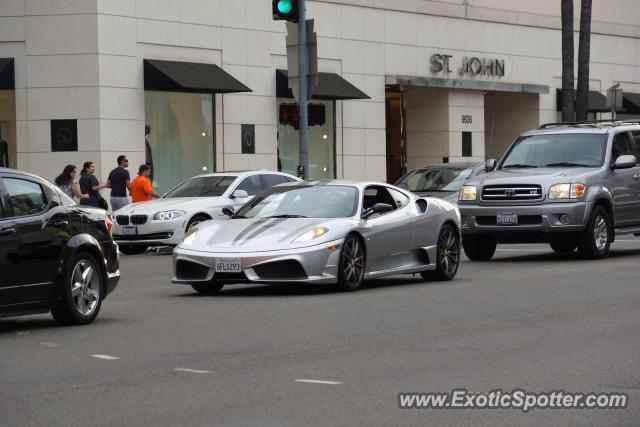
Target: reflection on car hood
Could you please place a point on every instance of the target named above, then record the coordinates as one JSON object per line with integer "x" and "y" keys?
{"x": 529, "y": 175}
{"x": 264, "y": 234}
{"x": 178, "y": 203}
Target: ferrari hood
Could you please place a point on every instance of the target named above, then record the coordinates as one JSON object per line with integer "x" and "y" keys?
{"x": 264, "y": 234}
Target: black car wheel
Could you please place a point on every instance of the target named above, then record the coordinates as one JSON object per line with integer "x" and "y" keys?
{"x": 594, "y": 241}
{"x": 479, "y": 248}
{"x": 351, "y": 265}
{"x": 448, "y": 255}
{"x": 207, "y": 288}
{"x": 81, "y": 290}
{"x": 133, "y": 249}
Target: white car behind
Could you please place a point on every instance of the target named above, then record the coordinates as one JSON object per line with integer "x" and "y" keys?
{"x": 164, "y": 221}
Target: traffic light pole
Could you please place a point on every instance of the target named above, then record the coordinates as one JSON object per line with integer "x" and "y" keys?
{"x": 302, "y": 101}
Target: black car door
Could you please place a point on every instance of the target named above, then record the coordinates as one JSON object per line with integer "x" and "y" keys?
{"x": 33, "y": 235}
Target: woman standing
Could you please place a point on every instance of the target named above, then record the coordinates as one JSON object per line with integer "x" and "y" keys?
{"x": 67, "y": 182}
{"x": 90, "y": 185}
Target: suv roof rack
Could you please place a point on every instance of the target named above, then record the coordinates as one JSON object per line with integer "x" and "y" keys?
{"x": 591, "y": 123}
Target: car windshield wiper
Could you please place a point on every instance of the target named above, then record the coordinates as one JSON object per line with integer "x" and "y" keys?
{"x": 518, "y": 165}
{"x": 569, "y": 165}
{"x": 287, "y": 216}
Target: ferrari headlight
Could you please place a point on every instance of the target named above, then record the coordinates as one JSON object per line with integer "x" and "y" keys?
{"x": 191, "y": 236}
{"x": 310, "y": 235}
{"x": 567, "y": 191}
{"x": 168, "y": 215}
{"x": 468, "y": 193}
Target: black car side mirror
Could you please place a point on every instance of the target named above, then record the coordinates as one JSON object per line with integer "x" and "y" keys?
{"x": 228, "y": 211}
{"x": 625, "y": 162}
{"x": 378, "y": 208}
{"x": 490, "y": 165}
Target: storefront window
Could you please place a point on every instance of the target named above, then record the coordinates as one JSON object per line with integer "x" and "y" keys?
{"x": 321, "y": 144}
{"x": 179, "y": 139}
{"x": 8, "y": 148}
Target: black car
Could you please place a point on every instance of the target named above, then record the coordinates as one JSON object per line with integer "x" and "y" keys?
{"x": 54, "y": 254}
{"x": 442, "y": 181}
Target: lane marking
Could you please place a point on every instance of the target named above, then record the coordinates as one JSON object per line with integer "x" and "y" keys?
{"x": 50, "y": 344}
{"x": 22, "y": 333}
{"x": 302, "y": 380}
{"x": 105, "y": 357}
{"x": 192, "y": 371}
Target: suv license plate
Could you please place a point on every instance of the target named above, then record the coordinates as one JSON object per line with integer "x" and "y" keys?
{"x": 130, "y": 231}
{"x": 228, "y": 265}
{"x": 507, "y": 219}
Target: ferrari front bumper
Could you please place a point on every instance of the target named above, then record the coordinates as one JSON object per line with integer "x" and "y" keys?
{"x": 315, "y": 264}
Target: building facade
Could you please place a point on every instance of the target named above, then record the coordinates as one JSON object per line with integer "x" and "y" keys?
{"x": 193, "y": 86}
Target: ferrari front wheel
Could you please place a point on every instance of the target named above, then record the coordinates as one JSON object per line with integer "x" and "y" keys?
{"x": 351, "y": 265}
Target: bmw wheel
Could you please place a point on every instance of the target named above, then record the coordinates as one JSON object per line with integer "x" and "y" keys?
{"x": 81, "y": 291}
{"x": 448, "y": 255}
{"x": 351, "y": 265}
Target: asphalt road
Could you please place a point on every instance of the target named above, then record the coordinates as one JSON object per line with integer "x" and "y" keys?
{"x": 529, "y": 319}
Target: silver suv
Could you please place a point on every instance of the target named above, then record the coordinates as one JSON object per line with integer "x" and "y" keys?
{"x": 567, "y": 184}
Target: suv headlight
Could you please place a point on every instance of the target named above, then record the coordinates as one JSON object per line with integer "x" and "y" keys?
{"x": 468, "y": 193}
{"x": 567, "y": 191}
{"x": 168, "y": 215}
{"x": 310, "y": 235}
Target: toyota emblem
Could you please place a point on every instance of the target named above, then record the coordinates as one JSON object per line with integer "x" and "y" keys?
{"x": 509, "y": 192}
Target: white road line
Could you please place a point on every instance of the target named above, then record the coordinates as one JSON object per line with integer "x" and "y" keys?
{"x": 22, "y": 333}
{"x": 318, "y": 382}
{"x": 192, "y": 371}
{"x": 105, "y": 357}
{"x": 50, "y": 344}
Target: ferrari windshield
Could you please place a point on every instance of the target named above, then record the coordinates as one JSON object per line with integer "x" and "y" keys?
{"x": 318, "y": 201}
{"x": 557, "y": 150}
{"x": 202, "y": 186}
{"x": 435, "y": 179}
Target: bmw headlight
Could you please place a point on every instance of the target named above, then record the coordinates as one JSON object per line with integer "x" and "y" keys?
{"x": 310, "y": 235}
{"x": 168, "y": 215}
{"x": 567, "y": 191}
{"x": 468, "y": 193}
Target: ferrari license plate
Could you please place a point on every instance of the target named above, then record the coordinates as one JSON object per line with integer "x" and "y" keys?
{"x": 130, "y": 231}
{"x": 228, "y": 265}
{"x": 507, "y": 219}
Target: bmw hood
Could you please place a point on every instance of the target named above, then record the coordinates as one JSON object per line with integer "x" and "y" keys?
{"x": 264, "y": 234}
{"x": 177, "y": 203}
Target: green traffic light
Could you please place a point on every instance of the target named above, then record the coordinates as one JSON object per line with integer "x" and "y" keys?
{"x": 285, "y": 6}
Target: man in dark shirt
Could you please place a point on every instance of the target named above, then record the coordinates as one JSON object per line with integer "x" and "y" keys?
{"x": 119, "y": 181}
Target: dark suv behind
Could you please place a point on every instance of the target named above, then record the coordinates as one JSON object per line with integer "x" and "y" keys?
{"x": 54, "y": 255}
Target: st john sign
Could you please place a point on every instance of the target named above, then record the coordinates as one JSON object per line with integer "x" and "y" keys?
{"x": 468, "y": 66}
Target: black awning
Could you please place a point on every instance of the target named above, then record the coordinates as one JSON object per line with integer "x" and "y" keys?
{"x": 176, "y": 76}
{"x": 597, "y": 101}
{"x": 631, "y": 102}
{"x": 7, "y": 74}
{"x": 330, "y": 86}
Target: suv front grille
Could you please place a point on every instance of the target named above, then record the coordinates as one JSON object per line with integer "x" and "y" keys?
{"x": 514, "y": 192}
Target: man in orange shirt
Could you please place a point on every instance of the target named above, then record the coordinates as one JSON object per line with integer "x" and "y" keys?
{"x": 141, "y": 189}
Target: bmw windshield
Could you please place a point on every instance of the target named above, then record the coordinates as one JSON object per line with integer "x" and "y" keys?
{"x": 557, "y": 150}
{"x": 318, "y": 201}
{"x": 202, "y": 186}
{"x": 445, "y": 179}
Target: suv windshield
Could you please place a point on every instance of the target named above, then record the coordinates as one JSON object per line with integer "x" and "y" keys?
{"x": 326, "y": 201}
{"x": 561, "y": 150}
{"x": 202, "y": 186}
{"x": 435, "y": 179}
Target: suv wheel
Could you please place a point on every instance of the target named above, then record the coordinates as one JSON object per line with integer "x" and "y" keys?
{"x": 479, "y": 248}
{"x": 594, "y": 241}
{"x": 563, "y": 246}
{"x": 80, "y": 290}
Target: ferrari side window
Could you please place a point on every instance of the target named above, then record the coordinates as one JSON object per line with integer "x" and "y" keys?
{"x": 374, "y": 195}
{"x": 400, "y": 199}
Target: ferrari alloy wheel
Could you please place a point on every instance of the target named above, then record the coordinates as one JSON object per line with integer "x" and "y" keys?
{"x": 80, "y": 290}
{"x": 448, "y": 255}
{"x": 351, "y": 266}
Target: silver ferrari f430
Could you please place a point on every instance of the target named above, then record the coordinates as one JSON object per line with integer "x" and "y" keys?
{"x": 340, "y": 232}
